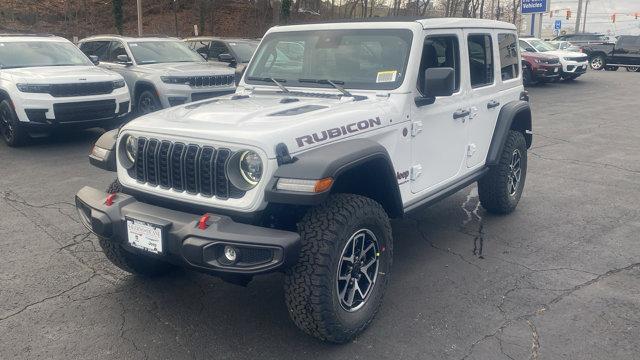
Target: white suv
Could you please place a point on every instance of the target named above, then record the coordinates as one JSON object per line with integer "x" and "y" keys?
{"x": 301, "y": 170}
{"x": 574, "y": 64}
{"x": 47, "y": 83}
{"x": 161, "y": 72}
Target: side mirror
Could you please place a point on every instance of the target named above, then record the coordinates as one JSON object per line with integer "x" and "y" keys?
{"x": 123, "y": 59}
{"x": 225, "y": 58}
{"x": 240, "y": 72}
{"x": 94, "y": 59}
{"x": 204, "y": 55}
{"x": 436, "y": 82}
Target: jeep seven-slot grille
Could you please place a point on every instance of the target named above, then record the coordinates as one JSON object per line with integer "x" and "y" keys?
{"x": 184, "y": 167}
{"x": 211, "y": 80}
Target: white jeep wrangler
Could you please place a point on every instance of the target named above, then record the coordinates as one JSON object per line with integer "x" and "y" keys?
{"x": 334, "y": 129}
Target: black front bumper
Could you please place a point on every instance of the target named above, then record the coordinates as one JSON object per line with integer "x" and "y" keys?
{"x": 260, "y": 250}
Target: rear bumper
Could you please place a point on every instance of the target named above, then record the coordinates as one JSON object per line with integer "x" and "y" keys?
{"x": 260, "y": 250}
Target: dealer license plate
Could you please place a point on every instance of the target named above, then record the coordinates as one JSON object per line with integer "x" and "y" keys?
{"x": 145, "y": 236}
{"x": 555, "y": 70}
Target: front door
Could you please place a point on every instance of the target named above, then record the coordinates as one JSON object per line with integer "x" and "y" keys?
{"x": 439, "y": 135}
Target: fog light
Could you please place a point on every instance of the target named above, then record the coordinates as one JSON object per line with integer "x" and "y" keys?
{"x": 230, "y": 253}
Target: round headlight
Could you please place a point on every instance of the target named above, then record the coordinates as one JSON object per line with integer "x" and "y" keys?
{"x": 251, "y": 167}
{"x": 131, "y": 147}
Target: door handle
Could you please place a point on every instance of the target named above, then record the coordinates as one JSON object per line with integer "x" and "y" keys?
{"x": 492, "y": 104}
{"x": 461, "y": 113}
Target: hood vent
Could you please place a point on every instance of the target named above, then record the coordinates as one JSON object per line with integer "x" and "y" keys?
{"x": 299, "y": 110}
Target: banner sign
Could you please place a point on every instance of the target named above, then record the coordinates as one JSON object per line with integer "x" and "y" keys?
{"x": 535, "y": 6}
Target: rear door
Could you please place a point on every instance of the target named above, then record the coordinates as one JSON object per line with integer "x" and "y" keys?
{"x": 439, "y": 134}
{"x": 627, "y": 51}
{"x": 484, "y": 99}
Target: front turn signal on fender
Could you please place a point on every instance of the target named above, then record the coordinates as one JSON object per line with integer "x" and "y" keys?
{"x": 303, "y": 185}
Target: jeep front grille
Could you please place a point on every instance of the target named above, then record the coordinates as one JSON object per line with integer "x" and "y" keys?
{"x": 184, "y": 167}
{"x": 81, "y": 89}
{"x": 211, "y": 80}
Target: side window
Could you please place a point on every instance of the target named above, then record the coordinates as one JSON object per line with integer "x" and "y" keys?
{"x": 480, "y": 60}
{"x": 217, "y": 48}
{"x": 117, "y": 48}
{"x": 439, "y": 52}
{"x": 97, "y": 48}
{"x": 508, "y": 56}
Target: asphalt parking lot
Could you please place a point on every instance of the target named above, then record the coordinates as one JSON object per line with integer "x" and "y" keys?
{"x": 558, "y": 279}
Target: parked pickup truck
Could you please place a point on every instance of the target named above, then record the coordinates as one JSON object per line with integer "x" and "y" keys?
{"x": 624, "y": 53}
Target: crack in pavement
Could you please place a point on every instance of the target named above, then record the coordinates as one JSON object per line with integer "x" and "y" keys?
{"x": 5, "y": 317}
{"x": 586, "y": 163}
{"x": 529, "y": 316}
{"x": 11, "y": 196}
{"x": 424, "y": 237}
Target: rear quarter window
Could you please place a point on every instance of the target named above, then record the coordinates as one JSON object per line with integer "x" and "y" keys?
{"x": 508, "y": 47}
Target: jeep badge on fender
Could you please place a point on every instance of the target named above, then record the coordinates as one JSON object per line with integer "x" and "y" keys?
{"x": 333, "y": 130}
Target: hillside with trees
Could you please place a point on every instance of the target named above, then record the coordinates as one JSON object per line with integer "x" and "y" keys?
{"x": 246, "y": 18}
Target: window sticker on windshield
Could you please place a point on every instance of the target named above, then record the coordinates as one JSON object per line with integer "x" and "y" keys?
{"x": 386, "y": 76}
{"x": 133, "y": 44}
{"x": 233, "y": 44}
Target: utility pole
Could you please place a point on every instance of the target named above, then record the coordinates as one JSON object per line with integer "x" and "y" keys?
{"x": 584, "y": 22}
{"x": 578, "y": 16}
{"x": 139, "y": 7}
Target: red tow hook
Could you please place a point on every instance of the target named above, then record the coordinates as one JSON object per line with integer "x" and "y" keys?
{"x": 202, "y": 223}
{"x": 109, "y": 200}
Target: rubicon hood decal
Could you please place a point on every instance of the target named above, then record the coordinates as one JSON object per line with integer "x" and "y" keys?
{"x": 337, "y": 132}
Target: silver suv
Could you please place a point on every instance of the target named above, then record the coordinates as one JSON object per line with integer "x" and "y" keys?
{"x": 160, "y": 72}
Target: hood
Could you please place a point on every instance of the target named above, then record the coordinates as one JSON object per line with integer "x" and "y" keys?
{"x": 264, "y": 121}
{"x": 543, "y": 56}
{"x": 188, "y": 68}
{"x": 61, "y": 74}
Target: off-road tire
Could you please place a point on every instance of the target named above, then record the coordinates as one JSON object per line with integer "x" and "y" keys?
{"x": 493, "y": 188}
{"x": 114, "y": 187}
{"x": 311, "y": 285}
{"x": 127, "y": 261}
{"x": 12, "y": 133}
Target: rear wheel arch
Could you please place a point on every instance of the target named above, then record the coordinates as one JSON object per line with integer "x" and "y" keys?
{"x": 515, "y": 115}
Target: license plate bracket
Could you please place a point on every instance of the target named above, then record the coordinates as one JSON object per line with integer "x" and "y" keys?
{"x": 145, "y": 235}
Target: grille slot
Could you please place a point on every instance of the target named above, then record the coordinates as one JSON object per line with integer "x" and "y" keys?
{"x": 212, "y": 80}
{"x": 81, "y": 89}
{"x": 191, "y": 168}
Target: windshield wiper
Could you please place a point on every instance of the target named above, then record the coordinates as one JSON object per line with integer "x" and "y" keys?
{"x": 335, "y": 83}
{"x": 277, "y": 82}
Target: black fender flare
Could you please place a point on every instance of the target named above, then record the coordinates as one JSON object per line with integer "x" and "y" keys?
{"x": 103, "y": 154}
{"x": 338, "y": 161}
{"x": 515, "y": 115}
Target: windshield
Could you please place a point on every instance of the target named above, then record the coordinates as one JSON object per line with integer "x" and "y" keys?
{"x": 244, "y": 50}
{"x": 151, "y": 52}
{"x": 356, "y": 59}
{"x": 541, "y": 46}
{"x": 40, "y": 53}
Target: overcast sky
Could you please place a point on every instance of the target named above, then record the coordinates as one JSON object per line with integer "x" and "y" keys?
{"x": 599, "y": 16}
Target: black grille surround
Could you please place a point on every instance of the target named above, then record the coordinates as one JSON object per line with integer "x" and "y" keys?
{"x": 195, "y": 169}
{"x": 81, "y": 89}
{"x": 552, "y": 61}
{"x": 84, "y": 111}
{"x": 576, "y": 58}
